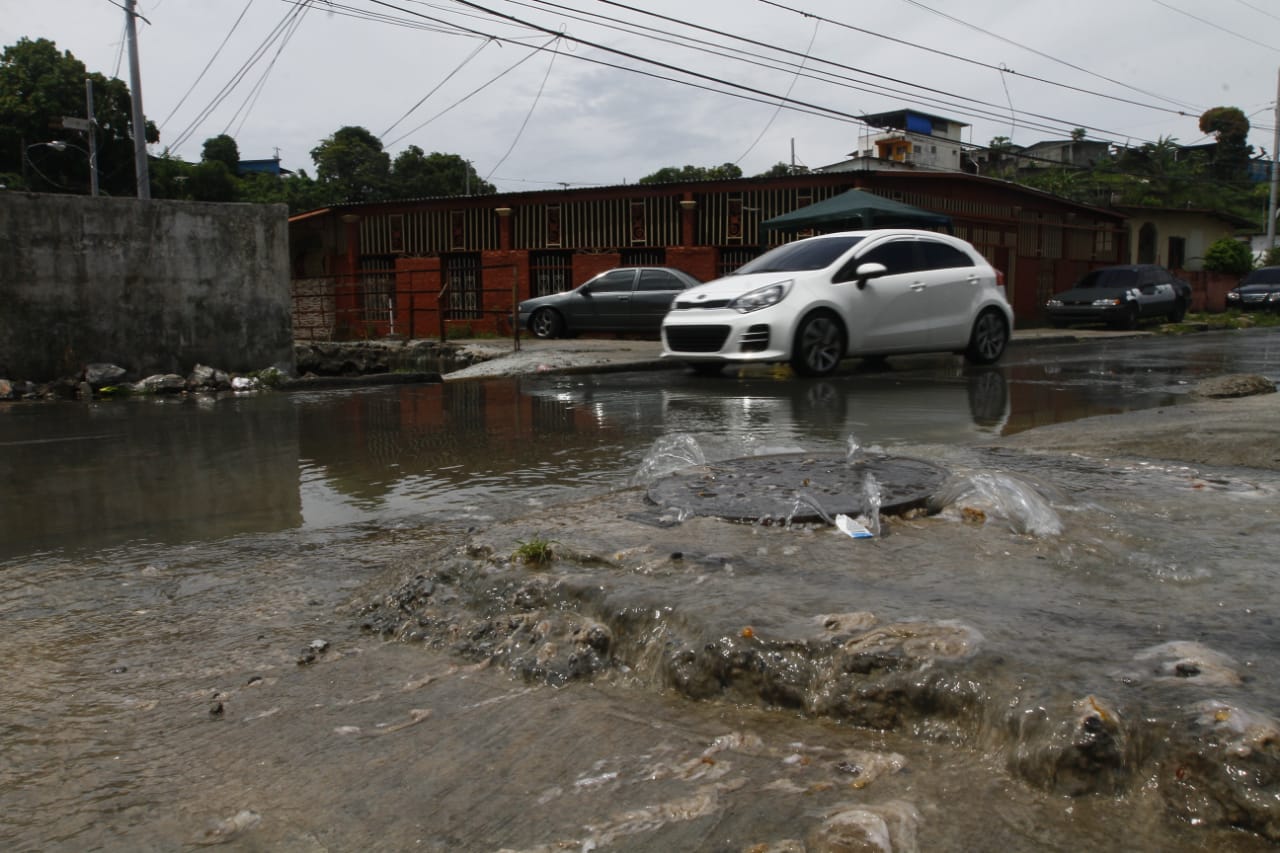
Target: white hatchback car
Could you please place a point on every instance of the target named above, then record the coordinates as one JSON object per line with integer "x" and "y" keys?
{"x": 869, "y": 294}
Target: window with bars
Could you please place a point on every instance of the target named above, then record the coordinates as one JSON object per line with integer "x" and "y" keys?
{"x": 377, "y": 289}
{"x": 643, "y": 257}
{"x": 552, "y": 272}
{"x": 731, "y": 259}
{"x": 462, "y": 272}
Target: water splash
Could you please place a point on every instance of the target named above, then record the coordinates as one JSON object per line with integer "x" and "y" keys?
{"x": 668, "y": 454}
{"x": 806, "y": 500}
{"x": 871, "y": 499}
{"x": 854, "y": 451}
{"x": 1017, "y": 501}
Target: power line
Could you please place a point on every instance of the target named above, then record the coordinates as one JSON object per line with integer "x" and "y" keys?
{"x": 1041, "y": 53}
{"x": 528, "y": 115}
{"x": 1209, "y": 23}
{"x": 207, "y": 66}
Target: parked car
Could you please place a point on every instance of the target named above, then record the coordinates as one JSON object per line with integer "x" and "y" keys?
{"x": 1121, "y": 296}
{"x": 1257, "y": 291}
{"x": 870, "y": 294}
{"x": 626, "y": 299}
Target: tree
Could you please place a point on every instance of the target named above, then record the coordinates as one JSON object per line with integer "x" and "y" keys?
{"x": 418, "y": 175}
{"x": 351, "y": 165}
{"x": 1229, "y": 256}
{"x": 1230, "y": 127}
{"x": 39, "y": 85}
{"x": 222, "y": 149}
{"x": 670, "y": 174}
{"x": 781, "y": 170}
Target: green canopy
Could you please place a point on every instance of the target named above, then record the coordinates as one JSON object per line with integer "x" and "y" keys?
{"x": 853, "y": 210}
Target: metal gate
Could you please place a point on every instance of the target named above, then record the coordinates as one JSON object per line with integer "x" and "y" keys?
{"x": 463, "y": 279}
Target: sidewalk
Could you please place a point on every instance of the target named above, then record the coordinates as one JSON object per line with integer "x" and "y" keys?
{"x": 577, "y": 355}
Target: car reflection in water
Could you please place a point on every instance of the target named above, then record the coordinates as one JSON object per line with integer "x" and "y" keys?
{"x": 762, "y": 413}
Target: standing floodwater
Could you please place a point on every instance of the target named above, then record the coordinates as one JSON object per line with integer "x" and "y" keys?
{"x": 196, "y": 599}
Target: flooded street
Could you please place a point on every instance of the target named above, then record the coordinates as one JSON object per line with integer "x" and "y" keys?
{"x": 291, "y": 621}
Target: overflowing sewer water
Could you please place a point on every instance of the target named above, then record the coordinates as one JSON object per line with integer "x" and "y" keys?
{"x": 312, "y": 621}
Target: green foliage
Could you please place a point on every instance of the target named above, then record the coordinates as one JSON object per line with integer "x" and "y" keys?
{"x": 1230, "y": 127}
{"x": 781, "y": 170}
{"x": 222, "y": 149}
{"x": 535, "y": 552}
{"x": 1229, "y": 256}
{"x": 417, "y": 175}
{"x": 38, "y": 85}
{"x": 352, "y": 165}
{"x": 672, "y": 174}
{"x": 1271, "y": 258}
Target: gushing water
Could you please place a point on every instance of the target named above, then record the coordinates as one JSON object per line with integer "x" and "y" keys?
{"x": 871, "y": 503}
{"x": 668, "y": 454}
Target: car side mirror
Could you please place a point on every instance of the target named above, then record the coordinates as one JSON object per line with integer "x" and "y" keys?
{"x": 866, "y": 272}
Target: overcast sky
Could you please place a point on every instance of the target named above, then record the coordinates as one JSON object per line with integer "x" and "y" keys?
{"x": 594, "y": 92}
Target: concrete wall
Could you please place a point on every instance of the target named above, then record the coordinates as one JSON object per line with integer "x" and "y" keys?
{"x": 153, "y": 286}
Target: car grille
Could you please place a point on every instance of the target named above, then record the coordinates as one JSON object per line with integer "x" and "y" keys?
{"x": 681, "y": 305}
{"x": 695, "y": 338}
{"x": 1255, "y": 297}
{"x": 756, "y": 338}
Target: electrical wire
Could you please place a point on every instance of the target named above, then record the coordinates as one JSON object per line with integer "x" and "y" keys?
{"x": 1042, "y": 54}
{"x": 528, "y": 115}
{"x": 207, "y": 66}
{"x": 260, "y": 51}
{"x": 1218, "y": 27}
{"x": 778, "y": 110}
{"x": 436, "y": 88}
{"x": 256, "y": 91}
{"x": 471, "y": 94}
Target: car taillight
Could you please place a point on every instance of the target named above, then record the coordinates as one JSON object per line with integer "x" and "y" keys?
{"x": 999, "y": 278}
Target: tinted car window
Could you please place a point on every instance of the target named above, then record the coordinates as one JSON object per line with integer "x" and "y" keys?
{"x": 897, "y": 257}
{"x": 1110, "y": 278}
{"x": 614, "y": 281}
{"x": 658, "y": 280}
{"x": 814, "y": 254}
{"x": 940, "y": 256}
{"x": 1266, "y": 275}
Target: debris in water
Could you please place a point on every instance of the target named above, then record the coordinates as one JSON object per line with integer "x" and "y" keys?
{"x": 227, "y": 829}
{"x": 852, "y": 528}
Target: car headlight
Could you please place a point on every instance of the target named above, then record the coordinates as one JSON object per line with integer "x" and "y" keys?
{"x": 761, "y": 297}
{"x": 1274, "y": 297}
{"x": 1106, "y": 303}
{"x": 1053, "y": 303}
{"x": 1233, "y": 296}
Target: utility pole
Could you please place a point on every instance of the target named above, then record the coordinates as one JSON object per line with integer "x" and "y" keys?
{"x": 1275, "y": 175}
{"x": 135, "y": 92}
{"x": 93, "y": 137}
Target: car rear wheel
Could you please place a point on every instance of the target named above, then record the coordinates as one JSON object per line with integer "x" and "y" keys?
{"x": 546, "y": 323}
{"x": 989, "y": 338}
{"x": 819, "y": 345}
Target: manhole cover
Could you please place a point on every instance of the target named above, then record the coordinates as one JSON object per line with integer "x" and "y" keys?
{"x": 802, "y": 487}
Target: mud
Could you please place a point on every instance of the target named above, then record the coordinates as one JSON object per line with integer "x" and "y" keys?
{"x": 1175, "y": 731}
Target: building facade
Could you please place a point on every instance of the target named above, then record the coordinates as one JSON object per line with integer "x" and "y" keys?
{"x": 456, "y": 266}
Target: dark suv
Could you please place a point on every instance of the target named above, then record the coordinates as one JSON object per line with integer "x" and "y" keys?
{"x": 1258, "y": 291}
{"x": 1121, "y": 296}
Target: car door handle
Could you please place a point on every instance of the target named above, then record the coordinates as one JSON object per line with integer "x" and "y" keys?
{"x": 918, "y": 286}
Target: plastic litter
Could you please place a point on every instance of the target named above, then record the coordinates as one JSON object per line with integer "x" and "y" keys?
{"x": 852, "y": 527}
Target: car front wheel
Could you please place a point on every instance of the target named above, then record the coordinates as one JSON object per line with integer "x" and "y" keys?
{"x": 819, "y": 345}
{"x": 546, "y": 323}
{"x": 989, "y": 338}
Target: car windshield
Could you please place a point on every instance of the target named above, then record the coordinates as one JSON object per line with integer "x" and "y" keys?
{"x": 1266, "y": 275}
{"x": 1109, "y": 278}
{"x": 812, "y": 254}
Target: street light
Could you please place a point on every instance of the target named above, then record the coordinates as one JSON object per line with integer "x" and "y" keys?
{"x": 61, "y": 145}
